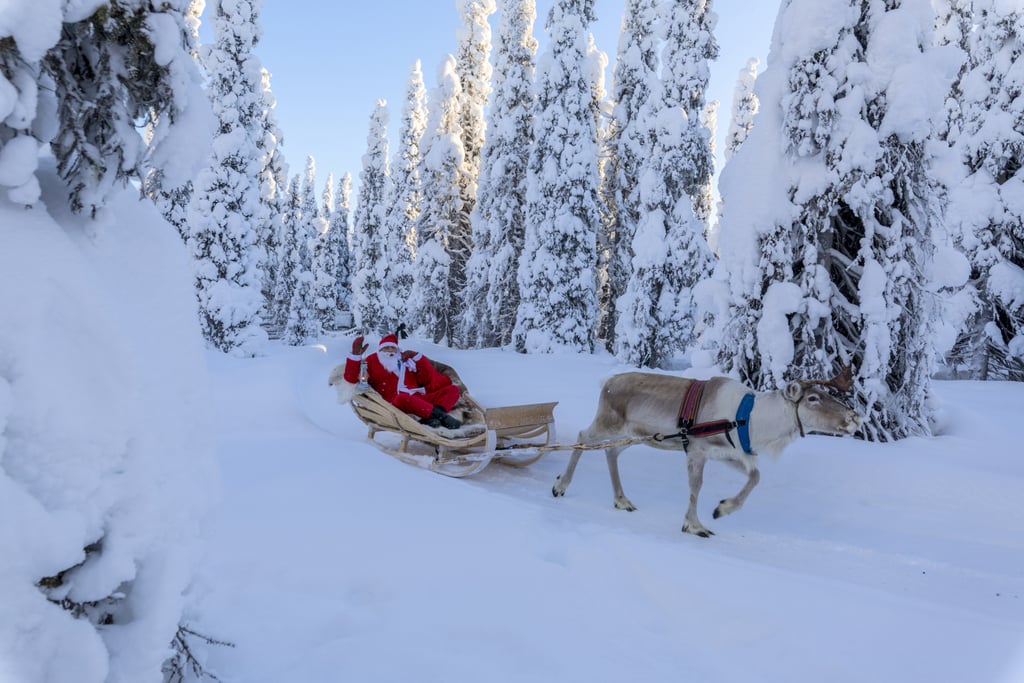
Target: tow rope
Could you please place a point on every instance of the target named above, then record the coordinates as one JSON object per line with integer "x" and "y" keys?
{"x": 687, "y": 418}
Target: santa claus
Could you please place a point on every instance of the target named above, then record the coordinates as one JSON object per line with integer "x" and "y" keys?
{"x": 407, "y": 380}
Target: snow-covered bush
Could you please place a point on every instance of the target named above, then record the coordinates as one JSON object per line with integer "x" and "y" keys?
{"x": 106, "y": 467}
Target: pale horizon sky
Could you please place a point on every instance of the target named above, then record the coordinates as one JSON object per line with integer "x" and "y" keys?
{"x": 330, "y": 62}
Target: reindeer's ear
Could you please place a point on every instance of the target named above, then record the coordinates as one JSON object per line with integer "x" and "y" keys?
{"x": 793, "y": 391}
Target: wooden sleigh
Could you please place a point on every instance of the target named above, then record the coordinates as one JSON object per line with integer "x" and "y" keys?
{"x": 510, "y": 435}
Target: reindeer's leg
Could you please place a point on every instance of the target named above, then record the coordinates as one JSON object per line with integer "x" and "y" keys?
{"x": 621, "y": 502}
{"x": 591, "y": 434}
{"x": 695, "y": 470}
{"x": 730, "y": 505}
{"x": 565, "y": 478}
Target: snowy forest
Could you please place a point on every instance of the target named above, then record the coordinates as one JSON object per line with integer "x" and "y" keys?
{"x": 870, "y": 214}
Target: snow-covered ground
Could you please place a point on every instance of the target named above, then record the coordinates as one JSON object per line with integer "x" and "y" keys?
{"x": 852, "y": 561}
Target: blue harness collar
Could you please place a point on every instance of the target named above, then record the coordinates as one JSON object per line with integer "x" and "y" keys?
{"x": 743, "y": 422}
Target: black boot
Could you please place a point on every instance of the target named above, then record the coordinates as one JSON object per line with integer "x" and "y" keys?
{"x": 434, "y": 419}
{"x": 447, "y": 421}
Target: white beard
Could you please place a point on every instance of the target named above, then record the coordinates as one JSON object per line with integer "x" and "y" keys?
{"x": 391, "y": 362}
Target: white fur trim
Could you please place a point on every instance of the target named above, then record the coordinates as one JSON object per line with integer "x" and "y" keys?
{"x": 346, "y": 390}
{"x": 337, "y": 375}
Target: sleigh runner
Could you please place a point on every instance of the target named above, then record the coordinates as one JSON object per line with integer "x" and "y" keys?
{"x": 511, "y": 435}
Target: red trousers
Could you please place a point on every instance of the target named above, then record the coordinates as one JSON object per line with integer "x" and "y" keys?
{"x": 421, "y": 405}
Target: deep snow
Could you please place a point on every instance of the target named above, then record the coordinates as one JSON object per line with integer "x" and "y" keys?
{"x": 105, "y": 439}
{"x": 851, "y": 561}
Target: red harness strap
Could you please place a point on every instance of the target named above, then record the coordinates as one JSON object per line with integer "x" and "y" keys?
{"x": 688, "y": 416}
{"x": 691, "y": 403}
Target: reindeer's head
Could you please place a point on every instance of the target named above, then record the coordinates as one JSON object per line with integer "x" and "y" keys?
{"x": 819, "y": 412}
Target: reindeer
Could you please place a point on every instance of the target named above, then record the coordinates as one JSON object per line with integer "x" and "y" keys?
{"x": 646, "y": 406}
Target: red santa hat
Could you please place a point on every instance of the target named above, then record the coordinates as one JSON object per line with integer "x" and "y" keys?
{"x": 388, "y": 340}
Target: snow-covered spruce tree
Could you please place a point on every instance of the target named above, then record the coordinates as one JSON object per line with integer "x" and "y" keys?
{"x": 985, "y": 214}
{"x": 327, "y": 201}
{"x": 492, "y": 293}
{"x": 657, "y": 314}
{"x": 957, "y": 329}
{"x": 284, "y": 278}
{"x": 754, "y": 244}
{"x": 403, "y": 209}
{"x": 339, "y": 231}
{"x": 953, "y": 25}
{"x": 628, "y": 146}
{"x": 473, "y": 68}
{"x": 20, "y": 137}
{"x": 596, "y": 65}
{"x": 83, "y": 84}
{"x": 690, "y": 44}
{"x": 827, "y": 256}
{"x": 436, "y": 297}
{"x": 273, "y": 196}
{"x": 172, "y": 202}
{"x": 97, "y": 144}
{"x": 706, "y": 196}
{"x": 758, "y": 234}
{"x": 744, "y": 106}
{"x": 224, "y": 213}
{"x": 325, "y": 263}
{"x": 303, "y": 318}
{"x": 370, "y": 307}
{"x": 607, "y": 171}
{"x": 884, "y": 218}
{"x": 600, "y": 106}
{"x": 277, "y": 208}
{"x": 558, "y": 306}
{"x": 170, "y": 188}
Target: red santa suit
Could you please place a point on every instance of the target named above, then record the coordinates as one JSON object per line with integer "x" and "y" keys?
{"x": 415, "y": 386}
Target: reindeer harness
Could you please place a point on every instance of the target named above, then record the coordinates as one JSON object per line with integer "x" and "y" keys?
{"x": 688, "y": 426}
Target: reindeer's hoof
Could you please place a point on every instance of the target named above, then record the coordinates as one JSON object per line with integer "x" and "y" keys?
{"x": 702, "y": 532}
{"x": 556, "y": 492}
{"x": 624, "y": 504}
{"x": 723, "y": 509}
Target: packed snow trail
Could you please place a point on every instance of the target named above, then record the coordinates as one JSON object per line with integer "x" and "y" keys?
{"x": 852, "y": 561}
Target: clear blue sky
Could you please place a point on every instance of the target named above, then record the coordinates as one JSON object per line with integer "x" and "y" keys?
{"x": 331, "y": 61}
